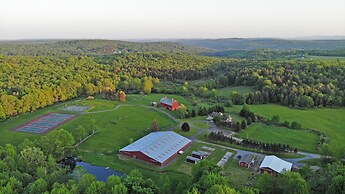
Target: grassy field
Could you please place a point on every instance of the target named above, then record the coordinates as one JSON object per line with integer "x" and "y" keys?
{"x": 228, "y": 90}
{"x": 202, "y": 125}
{"x": 327, "y": 120}
{"x": 189, "y": 133}
{"x": 300, "y": 139}
{"x": 117, "y": 127}
{"x": 239, "y": 177}
{"x": 96, "y": 104}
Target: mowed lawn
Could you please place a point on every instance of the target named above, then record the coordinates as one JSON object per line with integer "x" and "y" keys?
{"x": 300, "y": 139}
{"x": 327, "y": 120}
{"x": 117, "y": 127}
{"x": 96, "y": 104}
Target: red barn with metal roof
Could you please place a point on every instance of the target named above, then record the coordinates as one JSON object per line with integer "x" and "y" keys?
{"x": 169, "y": 103}
{"x": 157, "y": 147}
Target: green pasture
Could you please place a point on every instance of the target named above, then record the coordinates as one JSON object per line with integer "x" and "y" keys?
{"x": 330, "y": 121}
{"x": 228, "y": 90}
{"x": 189, "y": 133}
{"x": 203, "y": 125}
{"x": 300, "y": 139}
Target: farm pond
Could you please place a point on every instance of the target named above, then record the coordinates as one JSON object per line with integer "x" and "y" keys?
{"x": 102, "y": 173}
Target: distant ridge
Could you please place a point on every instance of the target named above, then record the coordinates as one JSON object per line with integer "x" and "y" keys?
{"x": 264, "y": 43}
{"x": 90, "y": 47}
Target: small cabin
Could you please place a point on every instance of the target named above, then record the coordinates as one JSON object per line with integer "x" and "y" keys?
{"x": 246, "y": 161}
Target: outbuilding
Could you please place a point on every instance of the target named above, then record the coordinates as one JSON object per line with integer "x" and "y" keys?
{"x": 191, "y": 159}
{"x": 246, "y": 161}
{"x": 157, "y": 147}
{"x": 169, "y": 103}
{"x": 274, "y": 165}
{"x": 200, "y": 154}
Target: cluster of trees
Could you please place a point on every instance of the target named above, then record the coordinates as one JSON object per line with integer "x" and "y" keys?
{"x": 166, "y": 66}
{"x": 286, "y": 183}
{"x": 89, "y": 47}
{"x": 32, "y": 166}
{"x": 219, "y": 136}
{"x": 30, "y": 83}
{"x": 81, "y": 132}
{"x": 27, "y": 169}
{"x": 329, "y": 179}
{"x": 203, "y": 111}
{"x": 275, "y": 120}
{"x": 208, "y": 179}
{"x": 300, "y": 84}
{"x": 296, "y": 83}
{"x": 267, "y": 147}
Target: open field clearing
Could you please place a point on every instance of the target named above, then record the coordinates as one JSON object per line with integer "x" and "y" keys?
{"x": 300, "y": 139}
{"x": 117, "y": 127}
{"x": 330, "y": 121}
{"x": 228, "y": 90}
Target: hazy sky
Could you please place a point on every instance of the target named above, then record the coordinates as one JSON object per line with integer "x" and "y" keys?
{"x": 135, "y": 19}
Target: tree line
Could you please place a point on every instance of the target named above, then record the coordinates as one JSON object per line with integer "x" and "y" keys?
{"x": 266, "y": 147}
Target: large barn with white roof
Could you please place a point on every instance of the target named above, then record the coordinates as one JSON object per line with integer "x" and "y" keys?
{"x": 274, "y": 165}
{"x": 157, "y": 147}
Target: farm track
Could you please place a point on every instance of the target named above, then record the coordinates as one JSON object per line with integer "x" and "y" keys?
{"x": 110, "y": 110}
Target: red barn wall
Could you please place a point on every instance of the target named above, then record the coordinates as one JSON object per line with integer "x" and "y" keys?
{"x": 244, "y": 164}
{"x": 166, "y": 105}
{"x": 141, "y": 156}
{"x": 174, "y": 105}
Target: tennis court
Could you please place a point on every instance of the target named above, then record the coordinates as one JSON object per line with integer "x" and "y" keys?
{"x": 45, "y": 123}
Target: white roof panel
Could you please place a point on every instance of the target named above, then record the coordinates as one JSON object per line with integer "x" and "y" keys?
{"x": 159, "y": 145}
{"x": 276, "y": 164}
{"x": 168, "y": 101}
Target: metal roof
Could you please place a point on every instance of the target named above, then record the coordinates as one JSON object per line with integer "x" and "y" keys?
{"x": 200, "y": 153}
{"x": 247, "y": 158}
{"x": 168, "y": 101}
{"x": 192, "y": 158}
{"x": 159, "y": 145}
{"x": 276, "y": 164}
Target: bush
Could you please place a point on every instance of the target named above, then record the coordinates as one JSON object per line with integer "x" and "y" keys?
{"x": 185, "y": 127}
